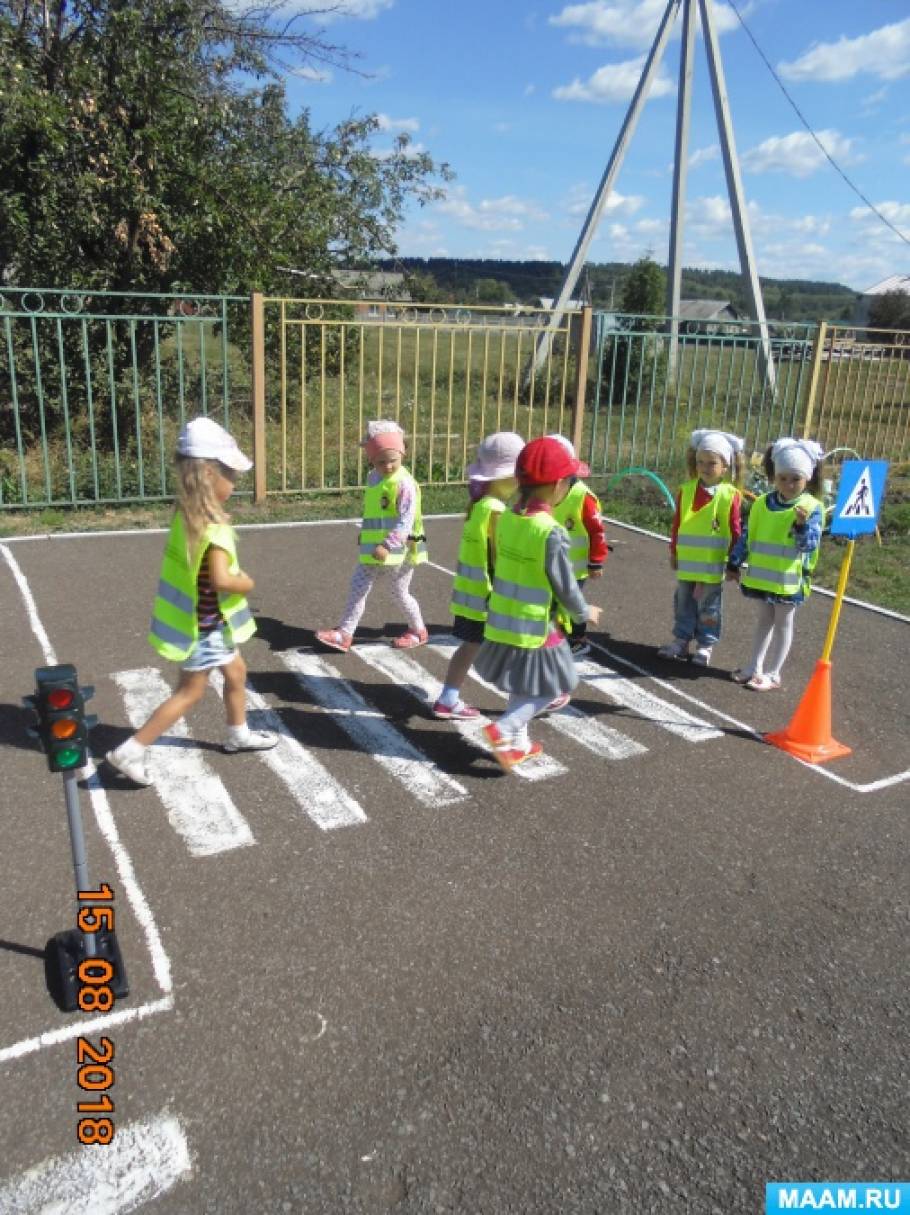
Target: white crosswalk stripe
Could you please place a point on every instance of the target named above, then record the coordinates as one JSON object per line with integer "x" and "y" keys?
{"x": 404, "y": 672}
{"x": 198, "y": 806}
{"x": 571, "y": 722}
{"x": 645, "y": 704}
{"x": 374, "y": 733}
{"x": 308, "y": 781}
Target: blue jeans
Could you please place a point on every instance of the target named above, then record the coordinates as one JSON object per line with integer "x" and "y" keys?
{"x": 699, "y": 618}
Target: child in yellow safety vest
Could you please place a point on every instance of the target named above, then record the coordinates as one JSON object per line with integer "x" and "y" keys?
{"x": 492, "y": 483}
{"x": 525, "y": 652}
{"x": 391, "y": 541}
{"x": 776, "y": 553}
{"x": 706, "y": 525}
{"x": 579, "y": 513}
{"x": 200, "y": 613}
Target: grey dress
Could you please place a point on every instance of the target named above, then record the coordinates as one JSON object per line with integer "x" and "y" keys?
{"x": 548, "y": 670}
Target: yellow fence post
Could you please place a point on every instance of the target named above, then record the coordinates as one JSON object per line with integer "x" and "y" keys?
{"x": 581, "y": 377}
{"x": 257, "y": 352}
{"x": 817, "y": 350}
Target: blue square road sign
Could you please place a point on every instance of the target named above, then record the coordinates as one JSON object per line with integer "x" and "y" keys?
{"x": 859, "y": 497}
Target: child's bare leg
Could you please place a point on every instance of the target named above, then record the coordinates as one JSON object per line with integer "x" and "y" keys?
{"x": 189, "y": 691}
{"x": 461, "y": 662}
{"x": 235, "y": 691}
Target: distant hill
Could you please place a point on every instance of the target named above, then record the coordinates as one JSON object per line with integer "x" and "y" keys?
{"x": 494, "y": 281}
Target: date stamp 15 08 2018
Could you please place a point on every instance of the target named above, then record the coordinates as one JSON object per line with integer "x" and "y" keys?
{"x": 95, "y": 1075}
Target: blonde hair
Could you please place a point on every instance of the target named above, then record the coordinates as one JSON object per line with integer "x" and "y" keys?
{"x": 196, "y": 500}
{"x": 736, "y": 473}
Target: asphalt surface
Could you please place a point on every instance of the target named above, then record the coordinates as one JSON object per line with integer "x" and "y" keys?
{"x": 647, "y": 984}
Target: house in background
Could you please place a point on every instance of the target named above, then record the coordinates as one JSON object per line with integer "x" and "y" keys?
{"x": 894, "y": 282}
{"x": 709, "y": 317}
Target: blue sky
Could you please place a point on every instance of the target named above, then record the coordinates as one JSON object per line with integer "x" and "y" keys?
{"x": 525, "y": 102}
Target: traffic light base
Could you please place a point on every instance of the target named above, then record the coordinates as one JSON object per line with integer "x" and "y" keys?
{"x": 62, "y": 955}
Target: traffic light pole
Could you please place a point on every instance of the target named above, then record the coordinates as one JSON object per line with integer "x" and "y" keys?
{"x": 77, "y": 840}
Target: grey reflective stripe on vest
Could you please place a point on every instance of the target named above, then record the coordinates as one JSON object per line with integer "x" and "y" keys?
{"x": 687, "y": 540}
{"x": 778, "y": 577}
{"x": 463, "y": 599}
{"x": 475, "y": 573}
{"x": 167, "y": 632}
{"x": 524, "y": 594}
{"x": 512, "y": 624}
{"x": 239, "y": 618}
{"x": 377, "y": 525}
{"x": 173, "y": 595}
{"x": 788, "y": 551}
{"x": 367, "y": 549}
{"x": 700, "y": 567}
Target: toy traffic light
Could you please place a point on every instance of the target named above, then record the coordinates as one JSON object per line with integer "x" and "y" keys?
{"x": 63, "y": 727}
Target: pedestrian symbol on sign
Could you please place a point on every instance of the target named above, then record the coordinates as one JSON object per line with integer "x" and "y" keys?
{"x": 861, "y": 503}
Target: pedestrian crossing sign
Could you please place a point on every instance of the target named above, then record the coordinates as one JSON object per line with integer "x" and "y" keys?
{"x": 859, "y": 497}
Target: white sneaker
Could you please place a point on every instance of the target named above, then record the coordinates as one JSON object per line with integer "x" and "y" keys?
{"x": 702, "y": 655}
{"x": 255, "y": 740}
{"x": 135, "y": 769}
{"x": 674, "y": 649}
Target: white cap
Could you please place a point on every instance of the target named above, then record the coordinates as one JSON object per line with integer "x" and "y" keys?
{"x": 720, "y": 442}
{"x": 496, "y": 456}
{"x": 204, "y": 439}
{"x": 796, "y": 455}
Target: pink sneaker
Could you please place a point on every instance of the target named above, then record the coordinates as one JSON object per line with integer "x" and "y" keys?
{"x": 505, "y": 754}
{"x": 459, "y": 712}
{"x": 559, "y": 702}
{"x": 411, "y": 640}
{"x": 335, "y": 639}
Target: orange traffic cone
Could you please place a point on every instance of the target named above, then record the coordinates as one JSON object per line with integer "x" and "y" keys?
{"x": 808, "y": 736}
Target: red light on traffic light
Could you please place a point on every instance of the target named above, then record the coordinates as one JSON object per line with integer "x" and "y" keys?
{"x": 60, "y": 698}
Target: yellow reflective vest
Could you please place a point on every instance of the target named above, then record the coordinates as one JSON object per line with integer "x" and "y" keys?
{"x": 472, "y": 586}
{"x": 703, "y": 539}
{"x": 521, "y": 602}
{"x": 775, "y": 563}
{"x": 568, "y": 513}
{"x": 175, "y": 626}
{"x": 380, "y": 513}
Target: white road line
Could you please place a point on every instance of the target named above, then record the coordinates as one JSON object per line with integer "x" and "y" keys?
{"x": 581, "y": 728}
{"x": 407, "y": 673}
{"x": 648, "y": 706}
{"x": 377, "y": 736}
{"x": 311, "y": 785}
{"x": 198, "y": 806}
{"x": 142, "y": 1162}
{"x": 98, "y": 1025}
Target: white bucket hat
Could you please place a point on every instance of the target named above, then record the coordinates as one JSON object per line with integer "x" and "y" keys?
{"x": 204, "y": 439}
{"x": 796, "y": 455}
{"x": 496, "y": 456}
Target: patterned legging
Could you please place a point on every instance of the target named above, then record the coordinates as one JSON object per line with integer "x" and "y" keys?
{"x": 398, "y": 576}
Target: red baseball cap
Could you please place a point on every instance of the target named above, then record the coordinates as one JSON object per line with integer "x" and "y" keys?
{"x": 543, "y": 461}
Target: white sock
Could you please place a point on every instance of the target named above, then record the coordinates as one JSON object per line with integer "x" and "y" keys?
{"x": 449, "y": 696}
{"x": 239, "y": 733}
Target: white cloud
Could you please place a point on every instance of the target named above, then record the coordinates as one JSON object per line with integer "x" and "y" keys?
{"x": 506, "y": 214}
{"x": 579, "y": 199}
{"x": 798, "y": 154}
{"x": 409, "y": 152}
{"x": 703, "y": 155}
{"x": 360, "y": 10}
{"x": 397, "y": 124}
{"x": 313, "y": 75}
{"x": 626, "y": 23}
{"x": 872, "y": 228}
{"x": 884, "y": 53}
{"x": 613, "y": 82}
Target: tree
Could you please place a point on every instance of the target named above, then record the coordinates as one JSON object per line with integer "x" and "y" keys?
{"x": 644, "y": 290}
{"x": 891, "y": 310}
{"x": 145, "y": 145}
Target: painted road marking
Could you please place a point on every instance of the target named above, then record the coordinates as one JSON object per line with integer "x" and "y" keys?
{"x": 373, "y": 734}
{"x": 311, "y": 785}
{"x": 142, "y": 1162}
{"x": 581, "y": 728}
{"x": 406, "y": 673}
{"x": 198, "y": 806}
{"x": 645, "y": 704}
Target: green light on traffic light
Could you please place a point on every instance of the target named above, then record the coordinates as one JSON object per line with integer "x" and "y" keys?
{"x": 68, "y": 757}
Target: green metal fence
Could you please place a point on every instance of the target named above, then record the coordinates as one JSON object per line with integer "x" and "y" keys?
{"x": 94, "y": 387}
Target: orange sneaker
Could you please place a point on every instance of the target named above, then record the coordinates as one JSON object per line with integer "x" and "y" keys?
{"x": 506, "y": 755}
{"x": 335, "y": 639}
{"x": 411, "y": 640}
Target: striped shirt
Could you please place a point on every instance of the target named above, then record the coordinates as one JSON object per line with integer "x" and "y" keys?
{"x": 208, "y": 613}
